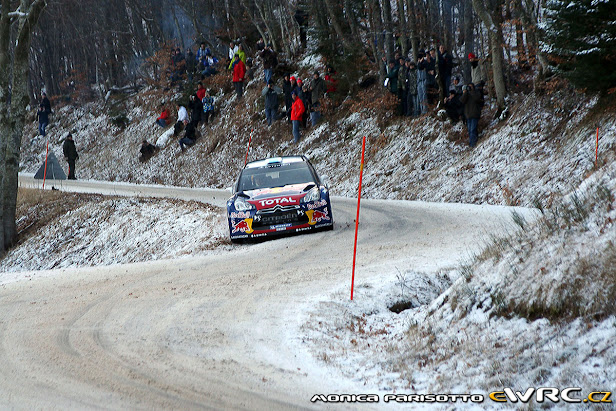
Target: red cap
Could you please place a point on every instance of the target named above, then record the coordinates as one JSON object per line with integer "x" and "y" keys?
{"x": 292, "y": 78}
{"x": 299, "y": 80}
{"x": 471, "y": 56}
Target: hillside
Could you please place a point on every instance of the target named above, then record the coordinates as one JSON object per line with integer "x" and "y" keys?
{"x": 534, "y": 308}
{"x": 545, "y": 149}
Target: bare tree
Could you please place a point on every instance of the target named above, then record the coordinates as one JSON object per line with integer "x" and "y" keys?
{"x": 16, "y": 29}
{"x": 491, "y": 13}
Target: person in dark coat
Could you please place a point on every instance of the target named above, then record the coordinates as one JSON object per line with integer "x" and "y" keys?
{"x": 43, "y": 119}
{"x": 190, "y": 136}
{"x": 147, "y": 150}
{"x": 287, "y": 89}
{"x": 45, "y": 103}
{"x": 453, "y": 106}
{"x": 196, "y": 110}
{"x": 472, "y": 99}
{"x": 317, "y": 89}
{"x": 270, "y": 61}
{"x": 271, "y": 103}
{"x": 70, "y": 154}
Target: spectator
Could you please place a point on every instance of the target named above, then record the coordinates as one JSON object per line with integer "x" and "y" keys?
{"x": 287, "y": 89}
{"x": 208, "y": 106}
{"x": 232, "y": 51}
{"x": 453, "y": 106}
{"x": 472, "y": 99}
{"x": 163, "y": 119}
{"x": 260, "y": 44}
{"x": 402, "y": 87}
{"x": 422, "y": 88}
{"x": 431, "y": 85}
{"x": 209, "y": 64}
{"x": 456, "y": 86}
{"x": 201, "y": 54}
{"x": 297, "y": 112}
{"x": 196, "y": 110}
{"x": 70, "y": 155}
{"x": 412, "y": 105}
{"x": 250, "y": 73}
{"x": 147, "y": 150}
{"x": 445, "y": 65}
{"x": 271, "y": 102}
{"x": 43, "y": 119}
{"x": 478, "y": 77}
{"x": 46, "y": 103}
{"x": 239, "y": 71}
{"x": 330, "y": 80}
{"x": 200, "y": 91}
{"x": 190, "y": 136}
{"x": 306, "y": 96}
{"x": 182, "y": 119}
{"x": 191, "y": 64}
{"x": 317, "y": 91}
{"x": 392, "y": 77}
{"x": 242, "y": 55}
{"x": 270, "y": 61}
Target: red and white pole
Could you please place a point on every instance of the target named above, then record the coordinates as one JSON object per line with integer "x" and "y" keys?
{"x": 45, "y": 171}
{"x": 248, "y": 150}
{"x": 361, "y": 172}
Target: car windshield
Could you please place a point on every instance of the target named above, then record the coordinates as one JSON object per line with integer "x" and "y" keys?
{"x": 277, "y": 175}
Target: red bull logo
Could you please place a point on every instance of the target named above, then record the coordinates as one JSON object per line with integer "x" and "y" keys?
{"x": 244, "y": 226}
{"x": 316, "y": 216}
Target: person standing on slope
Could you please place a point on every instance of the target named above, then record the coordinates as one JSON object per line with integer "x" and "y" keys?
{"x": 70, "y": 154}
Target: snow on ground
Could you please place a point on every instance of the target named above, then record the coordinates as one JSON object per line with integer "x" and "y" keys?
{"x": 535, "y": 309}
{"x": 120, "y": 231}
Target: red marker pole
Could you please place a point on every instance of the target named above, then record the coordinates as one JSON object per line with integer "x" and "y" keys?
{"x": 45, "y": 171}
{"x": 597, "y": 150}
{"x": 248, "y": 150}
{"x": 361, "y": 172}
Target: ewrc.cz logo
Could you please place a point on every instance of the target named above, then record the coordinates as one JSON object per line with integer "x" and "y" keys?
{"x": 540, "y": 395}
{"x": 550, "y": 393}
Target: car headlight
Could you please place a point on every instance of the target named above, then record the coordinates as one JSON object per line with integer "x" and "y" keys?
{"x": 313, "y": 195}
{"x": 241, "y": 204}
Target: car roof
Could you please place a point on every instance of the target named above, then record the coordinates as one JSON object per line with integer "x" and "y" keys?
{"x": 268, "y": 162}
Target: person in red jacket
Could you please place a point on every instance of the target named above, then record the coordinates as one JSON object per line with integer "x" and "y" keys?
{"x": 239, "y": 71}
{"x": 297, "y": 112}
{"x": 162, "y": 120}
{"x": 200, "y": 91}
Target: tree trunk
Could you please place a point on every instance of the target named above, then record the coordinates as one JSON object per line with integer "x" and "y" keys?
{"x": 412, "y": 22}
{"x": 388, "y": 28}
{"x": 336, "y": 25}
{"x": 11, "y": 126}
{"x": 496, "y": 47}
{"x": 402, "y": 28}
{"x": 469, "y": 38}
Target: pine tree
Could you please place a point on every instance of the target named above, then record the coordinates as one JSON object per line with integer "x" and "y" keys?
{"x": 581, "y": 37}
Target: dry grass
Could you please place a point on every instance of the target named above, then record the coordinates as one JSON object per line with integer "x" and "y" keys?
{"x": 38, "y": 208}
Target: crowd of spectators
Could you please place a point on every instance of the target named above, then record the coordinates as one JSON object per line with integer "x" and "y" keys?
{"x": 302, "y": 101}
{"x": 417, "y": 86}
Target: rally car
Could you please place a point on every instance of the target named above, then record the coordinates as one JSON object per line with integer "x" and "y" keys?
{"x": 276, "y": 196}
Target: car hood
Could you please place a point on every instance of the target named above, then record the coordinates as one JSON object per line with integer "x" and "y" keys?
{"x": 289, "y": 195}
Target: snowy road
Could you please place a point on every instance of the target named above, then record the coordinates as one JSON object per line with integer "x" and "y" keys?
{"x": 220, "y": 331}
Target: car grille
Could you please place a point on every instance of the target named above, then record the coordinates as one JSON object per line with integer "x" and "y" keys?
{"x": 271, "y": 219}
